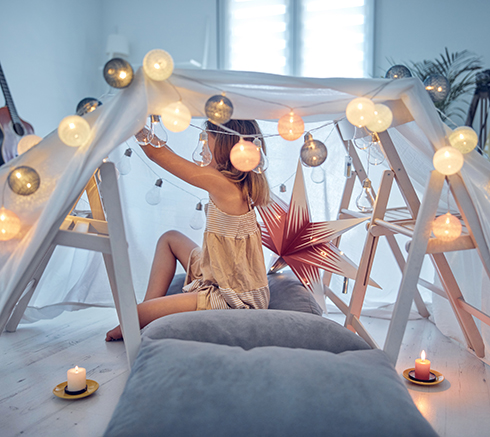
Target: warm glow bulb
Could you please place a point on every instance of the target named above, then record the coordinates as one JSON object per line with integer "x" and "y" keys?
{"x": 464, "y": 139}
{"x": 158, "y": 65}
{"x": 24, "y": 180}
{"x": 74, "y": 131}
{"x": 244, "y": 155}
{"x": 360, "y": 111}
{"x": 291, "y": 126}
{"x": 176, "y": 117}
{"x": 9, "y": 224}
{"x": 382, "y": 118}
{"x": 448, "y": 160}
{"x": 219, "y": 109}
{"x": 446, "y": 227}
{"x": 27, "y": 142}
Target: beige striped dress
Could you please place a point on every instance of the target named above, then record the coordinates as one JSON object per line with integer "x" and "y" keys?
{"x": 229, "y": 270}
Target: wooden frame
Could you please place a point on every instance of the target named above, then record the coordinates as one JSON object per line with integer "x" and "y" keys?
{"x": 103, "y": 233}
{"x": 414, "y": 221}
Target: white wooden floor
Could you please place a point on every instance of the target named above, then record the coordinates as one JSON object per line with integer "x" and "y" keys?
{"x": 35, "y": 359}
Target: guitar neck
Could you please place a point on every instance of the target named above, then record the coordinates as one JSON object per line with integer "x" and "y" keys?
{"x": 8, "y": 98}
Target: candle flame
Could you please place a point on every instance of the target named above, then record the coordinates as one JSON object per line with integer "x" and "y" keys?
{"x": 76, "y": 369}
{"x": 422, "y": 355}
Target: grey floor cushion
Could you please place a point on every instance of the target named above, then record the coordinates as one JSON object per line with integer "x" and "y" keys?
{"x": 287, "y": 293}
{"x": 187, "y": 388}
{"x": 257, "y": 328}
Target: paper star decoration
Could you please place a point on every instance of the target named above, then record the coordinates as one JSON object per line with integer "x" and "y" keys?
{"x": 304, "y": 246}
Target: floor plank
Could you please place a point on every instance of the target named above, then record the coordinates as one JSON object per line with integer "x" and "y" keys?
{"x": 35, "y": 359}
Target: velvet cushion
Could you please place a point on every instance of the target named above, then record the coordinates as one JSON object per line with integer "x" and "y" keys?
{"x": 287, "y": 293}
{"x": 186, "y": 388}
{"x": 255, "y": 328}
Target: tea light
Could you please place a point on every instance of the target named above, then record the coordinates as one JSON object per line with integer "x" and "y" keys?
{"x": 76, "y": 378}
{"x": 422, "y": 368}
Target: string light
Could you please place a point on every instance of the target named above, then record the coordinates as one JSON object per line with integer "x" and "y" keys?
{"x": 447, "y": 227}
{"x": 244, "y": 155}
{"x": 360, "y": 111}
{"x": 263, "y": 162}
{"x": 398, "y": 72}
{"x": 27, "y": 142}
{"x": 438, "y": 87}
{"x": 176, "y": 117}
{"x": 87, "y": 105}
{"x": 158, "y": 65}
{"x": 291, "y": 126}
{"x": 197, "y": 220}
{"x": 24, "y": 180}
{"x": 463, "y": 138}
{"x": 365, "y": 200}
{"x": 202, "y": 153}
{"x": 219, "y": 109}
{"x": 9, "y": 224}
{"x": 74, "y": 131}
{"x": 313, "y": 152}
{"x": 448, "y": 160}
{"x": 118, "y": 73}
{"x": 124, "y": 165}
{"x": 153, "y": 195}
{"x": 382, "y": 118}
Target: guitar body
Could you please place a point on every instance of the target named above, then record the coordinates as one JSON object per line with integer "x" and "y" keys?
{"x": 9, "y": 135}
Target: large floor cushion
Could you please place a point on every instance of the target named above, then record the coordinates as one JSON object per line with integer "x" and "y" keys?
{"x": 187, "y": 388}
{"x": 256, "y": 328}
{"x": 287, "y": 293}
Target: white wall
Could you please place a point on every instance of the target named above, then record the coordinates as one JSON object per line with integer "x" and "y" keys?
{"x": 415, "y": 30}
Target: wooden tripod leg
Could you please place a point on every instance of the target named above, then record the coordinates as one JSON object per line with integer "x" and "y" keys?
{"x": 124, "y": 294}
{"x": 367, "y": 257}
{"x": 411, "y": 272}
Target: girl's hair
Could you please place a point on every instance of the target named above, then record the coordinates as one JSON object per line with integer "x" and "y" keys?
{"x": 252, "y": 184}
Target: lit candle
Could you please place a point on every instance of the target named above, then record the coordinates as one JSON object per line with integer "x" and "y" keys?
{"x": 422, "y": 368}
{"x": 76, "y": 379}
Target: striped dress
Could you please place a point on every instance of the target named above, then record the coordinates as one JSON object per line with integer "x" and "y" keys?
{"x": 229, "y": 270}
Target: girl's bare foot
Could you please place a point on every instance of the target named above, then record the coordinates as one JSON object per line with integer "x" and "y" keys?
{"x": 114, "y": 334}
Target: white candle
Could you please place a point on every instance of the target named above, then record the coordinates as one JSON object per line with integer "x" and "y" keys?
{"x": 422, "y": 368}
{"x": 76, "y": 378}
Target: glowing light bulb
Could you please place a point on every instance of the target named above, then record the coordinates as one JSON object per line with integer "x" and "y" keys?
{"x": 153, "y": 195}
{"x": 382, "y": 118}
{"x": 24, "y": 180}
{"x": 118, "y": 73}
{"x": 438, "y": 87}
{"x": 313, "y": 152}
{"x": 124, "y": 165}
{"x": 153, "y": 133}
{"x": 219, "y": 109}
{"x": 244, "y": 156}
{"x": 360, "y": 111}
{"x": 202, "y": 154}
{"x": 376, "y": 154}
{"x": 464, "y": 139}
{"x": 398, "y": 72}
{"x": 86, "y": 105}
{"x": 448, "y": 160}
{"x": 158, "y": 65}
{"x": 197, "y": 220}
{"x": 27, "y": 142}
{"x": 9, "y": 224}
{"x": 447, "y": 227}
{"x": 176, "y": 117}
{"x": 291, "y": 126}
{"x": 74, "y": 131}
{"x": 365, "y": 200}
{"x": 263, "y": 162}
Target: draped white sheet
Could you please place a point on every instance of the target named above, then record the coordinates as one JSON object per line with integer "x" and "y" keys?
{"x": 76, "y": 278}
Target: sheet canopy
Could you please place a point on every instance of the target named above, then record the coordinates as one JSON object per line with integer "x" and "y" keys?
{"x": 64, "y": 170}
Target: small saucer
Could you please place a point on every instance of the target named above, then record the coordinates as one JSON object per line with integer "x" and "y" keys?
{"x": 59, "y": 390}
{"x": 438, "y": 377}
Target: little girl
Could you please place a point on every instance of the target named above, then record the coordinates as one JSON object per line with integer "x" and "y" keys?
{"x": 229, "y": 270}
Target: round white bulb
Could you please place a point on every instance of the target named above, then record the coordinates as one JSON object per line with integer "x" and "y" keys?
{"x": 448, "y": 160}
{"x": 382, "y": 118}
{"x": 360, "y": 111}
{"x": 447, "y": 227}
{"x": 176, "y": 117}
{"x": 9, "y": 224}
{"x": 158, "y": 65}
{"x": 74, "y": 131}
{"x": 464, "y": 139}
{"x": 244, "y": 155}
{"x": 27, "y": 142}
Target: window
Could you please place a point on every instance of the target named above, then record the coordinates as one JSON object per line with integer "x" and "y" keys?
{"x": 318, "y": 38}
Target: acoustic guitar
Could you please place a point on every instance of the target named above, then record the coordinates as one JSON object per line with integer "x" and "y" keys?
{"x": 12, "y": 127}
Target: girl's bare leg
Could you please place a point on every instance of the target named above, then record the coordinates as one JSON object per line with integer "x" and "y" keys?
{"x": 172, "y": 247}
{"x": 159, "y": 307}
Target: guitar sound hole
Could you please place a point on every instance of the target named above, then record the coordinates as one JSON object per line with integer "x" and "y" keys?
{"x": 19, "y": 129}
